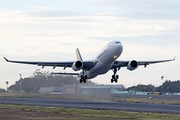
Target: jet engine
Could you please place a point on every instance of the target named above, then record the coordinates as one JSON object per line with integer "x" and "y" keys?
{"x": 77, "y": 65}
{"x": 132, "y": 65}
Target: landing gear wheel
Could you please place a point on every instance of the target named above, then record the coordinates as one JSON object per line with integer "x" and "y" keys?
{"x": 80, "y": 80}
{"x": 117, "y": 76}
{"x": 114, "y": 76}
{"x": 115, "y": 80}
{"x": 85, "y": 76}
{"x": 83, "y": 79}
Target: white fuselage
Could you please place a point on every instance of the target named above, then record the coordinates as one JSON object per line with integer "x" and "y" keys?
{"x": 105, "y": 58}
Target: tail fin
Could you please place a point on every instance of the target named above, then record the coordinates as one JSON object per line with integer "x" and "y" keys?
{"x": 113, "y": 90}
{"x": 78, "y": 55}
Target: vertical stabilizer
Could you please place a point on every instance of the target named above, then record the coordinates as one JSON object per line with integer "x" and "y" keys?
{"x": 113, "y": 90}
{"x": 78, "y": 55}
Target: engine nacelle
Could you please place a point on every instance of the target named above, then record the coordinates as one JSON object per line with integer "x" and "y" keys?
{"x": 77, "y": 65}
{"x": 132, "y": 65}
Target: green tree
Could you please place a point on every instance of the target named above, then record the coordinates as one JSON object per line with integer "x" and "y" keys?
{"x": 45, "y": 79}
{"x": 142, "y": 88}
{"x": 169, "y": 86}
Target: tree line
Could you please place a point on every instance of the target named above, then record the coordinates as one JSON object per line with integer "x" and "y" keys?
{"x": 167, "y": 86}
{"x": 46, "y": 79}
{"x": 43, "y": 79}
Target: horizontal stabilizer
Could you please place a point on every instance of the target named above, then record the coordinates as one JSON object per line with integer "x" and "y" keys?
{"x": 66, "y": 73}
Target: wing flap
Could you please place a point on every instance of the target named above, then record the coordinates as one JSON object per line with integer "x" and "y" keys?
{"x": 152, "y": 62}
{"x": 58, "y": 64}
{"x": 87, "y": 65}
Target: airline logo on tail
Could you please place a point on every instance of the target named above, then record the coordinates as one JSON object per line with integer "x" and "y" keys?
{"x": 114, "y": 91}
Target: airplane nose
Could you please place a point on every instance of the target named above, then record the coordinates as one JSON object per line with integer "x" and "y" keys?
{"x": 119, "y": 48}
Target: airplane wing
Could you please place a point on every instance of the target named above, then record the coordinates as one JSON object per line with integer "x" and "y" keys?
{"x": 119, "y": 64}
{"x": 87, "y": 65}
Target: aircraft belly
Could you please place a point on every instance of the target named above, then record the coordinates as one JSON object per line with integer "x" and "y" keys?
{"x": 100, "y": 68}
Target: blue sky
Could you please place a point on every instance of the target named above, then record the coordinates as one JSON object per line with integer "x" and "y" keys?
{"x": 51, "y": 30}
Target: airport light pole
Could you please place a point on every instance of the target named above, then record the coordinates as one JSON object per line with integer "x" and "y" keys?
{"x": 7, "y": 84}
{"x": 20, "y": 83}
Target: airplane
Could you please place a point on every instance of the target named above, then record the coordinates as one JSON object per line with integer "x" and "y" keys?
{"x": 104, "y": 60}
{"x": 114, "y": 91}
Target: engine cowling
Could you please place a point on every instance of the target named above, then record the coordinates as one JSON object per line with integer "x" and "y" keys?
{"x": 132, "y": 65}
{"x": 77, "y": 65}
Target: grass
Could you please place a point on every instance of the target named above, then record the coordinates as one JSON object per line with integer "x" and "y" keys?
{"x": 153, "y": 101}
{"x": 95, "y": 113}
{"x": 92, "y": 98}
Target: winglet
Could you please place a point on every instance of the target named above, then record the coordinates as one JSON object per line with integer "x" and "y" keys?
{"x": 6, "y": 59}
{"x": 78, "y": 55}
{"x": 174, "y": 57}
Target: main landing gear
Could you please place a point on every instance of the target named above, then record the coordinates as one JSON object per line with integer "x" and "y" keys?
{"x": 114, "y": 77}
{"x": 83, "y": 77}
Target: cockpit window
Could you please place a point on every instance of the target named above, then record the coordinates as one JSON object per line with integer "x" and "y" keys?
{"x": 117, "y": 42}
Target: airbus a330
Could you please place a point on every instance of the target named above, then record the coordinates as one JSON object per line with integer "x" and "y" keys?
{"x": 105, "y": 60}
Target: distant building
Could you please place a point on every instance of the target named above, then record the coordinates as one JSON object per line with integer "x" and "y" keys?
{"x": 81, "y": 89}
{"x": 90, "y": 89}
{"x": 51, "y": 90}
